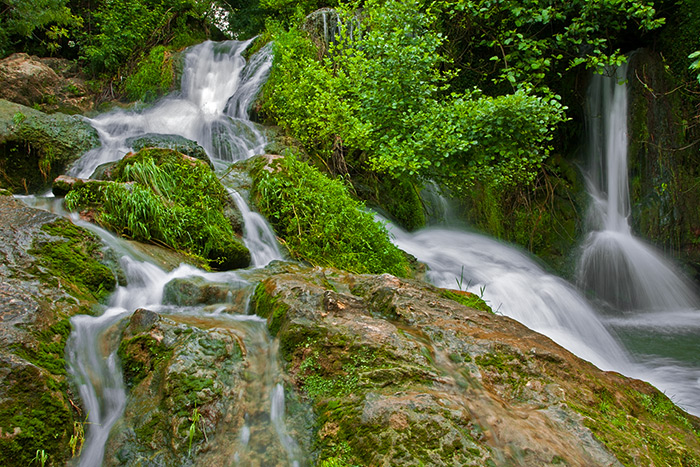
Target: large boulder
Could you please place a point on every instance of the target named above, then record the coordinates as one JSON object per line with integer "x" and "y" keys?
{"x": 399, "y": 373}
{"x": 50, "y": 271}
{"x": 51, "y": 84}
{"x": 36, "y": 147}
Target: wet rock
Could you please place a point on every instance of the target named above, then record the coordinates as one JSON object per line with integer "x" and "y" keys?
{"x": 196, "y": 290}
{"x": 174, "y": 142}
{"x": 50, "y": 270}
{"x": 398, "y": 373}
{"x": 52, "y": 84}
{"x": 36, "y": 147}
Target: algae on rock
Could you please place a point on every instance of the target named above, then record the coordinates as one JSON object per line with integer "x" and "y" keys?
{"x": 35, "y": 147}
{"x": 397, "y": 373}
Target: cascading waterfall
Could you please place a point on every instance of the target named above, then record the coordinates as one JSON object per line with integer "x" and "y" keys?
{"x": 616, "y": 266}
{"x": 218, "y": 88}
{"x": 514, "y": 285}
{"x": 648, "y": 304}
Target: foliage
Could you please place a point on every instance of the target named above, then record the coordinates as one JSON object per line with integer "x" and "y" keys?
{"x": 695, "y": 66}
{"x": 320, "y": 223}
{"x": 175, "y": 201}
{"x": 37, "y": 26}
{"x": 380, "y": 101}
{"x": 532, "y": 42}
{"x": 153, "y": 76}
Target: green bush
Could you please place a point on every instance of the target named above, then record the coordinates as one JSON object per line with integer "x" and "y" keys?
{"x": 320, "y": 223}
{"x": 153, "y": 76}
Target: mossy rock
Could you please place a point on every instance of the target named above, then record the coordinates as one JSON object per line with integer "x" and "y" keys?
{"x": 35, "y": 147}
{"x": 164, "y": 197}
{"x": 175, "y": 142}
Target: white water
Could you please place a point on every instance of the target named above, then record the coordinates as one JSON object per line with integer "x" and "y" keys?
{"x": 515, "y": 286}
{"x": 258, "y": 235}
{"x": 615, "y": 265}
{"x": 649, "y": 304}
{"x": 216, "y": 80}
{"x": 212, "y": 109}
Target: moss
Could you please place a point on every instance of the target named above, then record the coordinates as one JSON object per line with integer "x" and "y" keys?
{"x": 140, "y": 356}
{"x": 467, "y": 299}
{"x": 167, "y": 198}
{"x": 50, "y": 351}
{"x": 72, "y": 256}
{"x": 640, "y": 428}
{"x": 32, "y": 417}
{"x": 398, "y": 197}
{"x": 267, "y": 306}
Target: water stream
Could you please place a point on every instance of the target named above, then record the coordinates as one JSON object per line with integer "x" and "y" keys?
{"x": 218, "y": 88}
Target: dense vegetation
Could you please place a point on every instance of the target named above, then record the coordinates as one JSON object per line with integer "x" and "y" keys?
{"x": 165, "y": 198}
{"x": 319, "y": 222}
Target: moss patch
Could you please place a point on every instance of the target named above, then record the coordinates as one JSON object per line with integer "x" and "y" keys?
{"x": 71, "y": 258}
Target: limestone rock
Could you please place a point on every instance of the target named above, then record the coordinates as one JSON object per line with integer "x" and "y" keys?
{"x": 36, "y": 147}
{"x": 51, "y": 84}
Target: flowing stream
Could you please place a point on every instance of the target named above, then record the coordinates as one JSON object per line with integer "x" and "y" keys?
{"x": 218, "y": 88}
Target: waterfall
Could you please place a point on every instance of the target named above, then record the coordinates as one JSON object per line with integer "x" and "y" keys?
{"x": 257, "y": 234}
{"x": 616, "y": 266}
{"x": 218, "y": 88}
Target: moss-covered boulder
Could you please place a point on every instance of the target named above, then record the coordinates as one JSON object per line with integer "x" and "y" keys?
{"x": 162, "y": 196}
{"x": 35, "y": 147}
{"x": 175, "y": 142}
{"x": 319, "y": 221}
{"x": 51, "y": 270}
{"x": 398, "y": 373}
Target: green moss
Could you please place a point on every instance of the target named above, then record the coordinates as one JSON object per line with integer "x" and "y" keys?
{"x": 398, "y": 197}
{"x": 467, "y": 299}
{"x": 166, "y": 198}
{"x": 320, "y": 222}
{"x": 153, "y": 76}
{"x": 50, "y": 351}
{"x": 140, "y": 356}
{"x": 641, "y": 428}
{"x": 267, "y": 306}
{"x": 73, "y": 257}
{"x": 32, "y": 417}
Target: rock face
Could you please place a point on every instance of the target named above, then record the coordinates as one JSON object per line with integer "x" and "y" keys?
{"x": 397, "y": 374}
{"x": 664, "y": 174}
{"x": 50, "y": 270}
{"x": 36, "y": 147}
{"x": 52, "y": 84}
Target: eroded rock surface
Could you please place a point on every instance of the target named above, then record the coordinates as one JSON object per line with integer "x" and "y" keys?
{"x": 51, "y": 84}
{"x": 398, "y": 374}
{"x": 50, "y": 270}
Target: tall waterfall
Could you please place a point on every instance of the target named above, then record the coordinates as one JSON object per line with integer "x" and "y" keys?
{"x": 618, "y": 267}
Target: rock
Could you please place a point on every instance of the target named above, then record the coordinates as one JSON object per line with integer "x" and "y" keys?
{"x": 195, "y": 290}
{"x": 174, "y": 142}
{"x": 50, "y": 270}
{"x": 397, "y": 373}
{"x": 52, "y": 84}
{"x": 36, "y": 147}
{"x": 174, "y": 369}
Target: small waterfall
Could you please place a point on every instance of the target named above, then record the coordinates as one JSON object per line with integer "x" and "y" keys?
{"x": 92, "y": 359}
{"x": 216, "y": 80}
{"x": 515, "y": 286}
{"x": 258, "y": 235}
{"x": 618, "y": 267}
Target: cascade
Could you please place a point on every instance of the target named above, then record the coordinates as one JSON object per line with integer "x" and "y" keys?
{"x": 615, "y": 265}
{"x": 218, "y": 88}
{"x": 646, "y": 302}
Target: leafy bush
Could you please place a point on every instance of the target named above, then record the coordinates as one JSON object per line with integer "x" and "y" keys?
{"x": 174, "y": 201}
{"x": 153, "y": 76}
{"x": 320, "y": 223}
